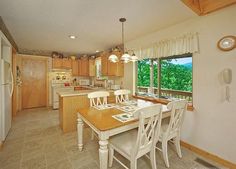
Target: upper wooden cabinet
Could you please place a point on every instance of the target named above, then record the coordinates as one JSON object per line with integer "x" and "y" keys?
{"x": 83, "y": 66}
{"x": 64, "y": 63}
{"x": 104, "y": 61}
{"x": 56, "y": 63}
{"x": 110, "y": 68}
{"x": 92, "y": 71}
{"x": 75, "y": 68}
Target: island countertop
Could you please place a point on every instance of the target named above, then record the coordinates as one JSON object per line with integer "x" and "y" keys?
{"x": 81, "y": 92}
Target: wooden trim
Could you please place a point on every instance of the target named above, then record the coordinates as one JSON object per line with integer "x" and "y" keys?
{"x": 14, "y": 96}
{"x": 162, "y": 101}
{"x": 203, "y": 7}
{"x": 208, "y": 6}
{"x": 1, "y": 145}
{"x": 208, "y": 155}
{"x": 194, "y": 5}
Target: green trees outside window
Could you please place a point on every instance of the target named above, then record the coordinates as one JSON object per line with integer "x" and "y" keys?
{"x": 176, "y": 74}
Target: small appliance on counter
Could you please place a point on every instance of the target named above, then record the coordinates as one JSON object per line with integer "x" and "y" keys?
{"x": 115, "y": 87}
{"x": 84, "y": 82}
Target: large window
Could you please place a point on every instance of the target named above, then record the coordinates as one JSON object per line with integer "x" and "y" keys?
{"x": 172, "y": 74}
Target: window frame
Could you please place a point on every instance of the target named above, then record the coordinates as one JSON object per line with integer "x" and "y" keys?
{"x": 187, "y": 55}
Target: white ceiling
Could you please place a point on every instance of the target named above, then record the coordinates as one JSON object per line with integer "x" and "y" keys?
{"x": 46, "y": 24}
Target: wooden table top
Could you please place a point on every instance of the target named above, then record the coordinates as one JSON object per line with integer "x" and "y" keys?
{"x": 103, "y": 120}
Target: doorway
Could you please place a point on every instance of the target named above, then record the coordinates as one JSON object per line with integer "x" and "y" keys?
{"x": 34, "y": 81}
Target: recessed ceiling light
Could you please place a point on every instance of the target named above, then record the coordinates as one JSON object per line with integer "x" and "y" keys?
{"x": 97, "y": 51}
{"x": 72, "y": 36}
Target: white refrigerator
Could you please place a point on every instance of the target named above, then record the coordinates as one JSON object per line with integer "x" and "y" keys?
{"x": 6, "y": 91}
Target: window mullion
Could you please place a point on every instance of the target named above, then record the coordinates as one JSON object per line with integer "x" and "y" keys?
{"x": 151, "y": 77}
{"x": 159, "y": 77}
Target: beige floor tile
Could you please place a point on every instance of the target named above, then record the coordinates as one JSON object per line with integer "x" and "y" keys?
{"x": 55, "y": 155}
{"x": 37, "y": 162}
{"x": 9, "y": 159}
{"x": 64, "y": 164}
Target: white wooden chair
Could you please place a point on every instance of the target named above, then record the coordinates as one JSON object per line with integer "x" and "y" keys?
{"x": 122, "y": 95}
{"x": 171, "y": 130}
{"x": 136, "y": 143}
{"x": 97, "y": 98}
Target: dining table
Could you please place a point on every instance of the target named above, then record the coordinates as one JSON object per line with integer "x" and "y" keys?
{"x": 104, "y": 123}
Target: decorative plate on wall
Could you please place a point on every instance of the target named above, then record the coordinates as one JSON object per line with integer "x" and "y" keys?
{"x": 227, "y": 43}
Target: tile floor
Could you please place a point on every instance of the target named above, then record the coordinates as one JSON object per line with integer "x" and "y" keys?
{"x": 36, "y": 142}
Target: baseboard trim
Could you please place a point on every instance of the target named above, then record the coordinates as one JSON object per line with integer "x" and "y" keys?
{"x": 208, "y": 155}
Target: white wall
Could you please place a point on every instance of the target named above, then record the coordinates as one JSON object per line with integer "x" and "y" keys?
{"x": 212, "y": 125}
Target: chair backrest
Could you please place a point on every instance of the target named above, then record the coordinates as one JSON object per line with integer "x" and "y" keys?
{"x": 98, "y": 98}
{"x": 148, "y": 130}
{"x": 122, "y": 95}
{"x": 178, "y": 108}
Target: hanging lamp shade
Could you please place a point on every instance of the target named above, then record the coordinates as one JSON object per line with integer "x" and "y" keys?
{"x": 126, "y": 57}
{"x": 134, "y": 58}
{"x": 113, "y": 58}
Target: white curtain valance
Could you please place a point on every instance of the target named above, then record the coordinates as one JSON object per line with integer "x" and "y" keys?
{"x": 187, "y": 43}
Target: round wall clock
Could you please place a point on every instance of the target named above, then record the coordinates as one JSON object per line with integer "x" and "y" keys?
{"x": 227, "y": 43}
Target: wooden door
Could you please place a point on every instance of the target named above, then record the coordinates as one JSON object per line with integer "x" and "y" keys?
{"x": 34, "y": 86}
{"x": 75, "y": 68}
{"x": 56, "y": 63}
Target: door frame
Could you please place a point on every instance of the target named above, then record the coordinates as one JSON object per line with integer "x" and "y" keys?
{"x": 37, "y": 57}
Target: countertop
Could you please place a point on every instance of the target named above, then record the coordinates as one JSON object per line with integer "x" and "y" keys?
{"x": 81, "y": 92}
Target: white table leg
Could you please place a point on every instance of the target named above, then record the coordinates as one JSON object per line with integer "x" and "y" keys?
{"x": 80, "y": 126}
{"x": 103, "y": 154}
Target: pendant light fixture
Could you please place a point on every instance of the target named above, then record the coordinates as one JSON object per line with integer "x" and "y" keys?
{"x": 126, "y": 57}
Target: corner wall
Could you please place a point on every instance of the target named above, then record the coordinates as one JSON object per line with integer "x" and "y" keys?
{"x": 211, "y": 126}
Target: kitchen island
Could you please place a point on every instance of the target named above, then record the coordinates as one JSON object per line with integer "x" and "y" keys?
{"x": 70, "y": 102}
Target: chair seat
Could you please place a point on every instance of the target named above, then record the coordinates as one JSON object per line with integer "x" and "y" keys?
{"x": 125, "y": 141}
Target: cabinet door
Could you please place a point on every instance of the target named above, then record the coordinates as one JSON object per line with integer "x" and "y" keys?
{"x": 92, "y": 67}
{"x": 111, "y": 68}
{"x": 75, "y": 68}
{"x": 66, "y": 63}
{"x": 84, "y": 67}
{"x": 56, "y": 63}
{"x": 104, "y": 64}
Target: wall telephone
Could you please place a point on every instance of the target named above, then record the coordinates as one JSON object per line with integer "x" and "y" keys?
{"x": 227, "y": 77}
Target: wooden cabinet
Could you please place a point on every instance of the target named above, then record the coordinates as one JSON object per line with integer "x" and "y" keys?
{"x": 104, "y": 62}
{"x": 92, "y": 71}
{"x": 110, "y": 68}
{"x": 83, "y": 66}
{"x": 75, "y": 68}
{"x": 58, "y": 63}
{"x": 66, "y": 63}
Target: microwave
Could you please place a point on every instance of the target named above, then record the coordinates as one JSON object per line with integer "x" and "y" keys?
{"x": 84, "y": 82}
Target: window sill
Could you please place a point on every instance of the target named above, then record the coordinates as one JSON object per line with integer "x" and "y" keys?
{"x": 159, "y": 100}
